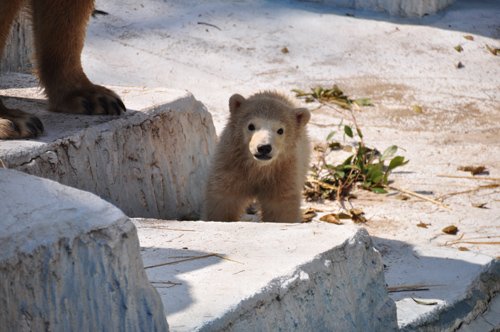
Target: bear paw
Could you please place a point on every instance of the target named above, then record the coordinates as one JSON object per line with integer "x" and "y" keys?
{"x": 16, "y": 124}
{"x": 93, "y": 100}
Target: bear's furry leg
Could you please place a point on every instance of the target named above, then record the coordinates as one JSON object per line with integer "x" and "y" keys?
{"x": 8, "y": 12}
{"x": 18, "y": 124}
{"x": 59, "y": 30}
{"x": 14, "y": 123}
{"x": 224, "y": 208}
{"x": 281, "y": 209}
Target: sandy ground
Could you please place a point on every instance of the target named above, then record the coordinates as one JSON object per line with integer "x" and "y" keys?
{"x": 218, "y": 48}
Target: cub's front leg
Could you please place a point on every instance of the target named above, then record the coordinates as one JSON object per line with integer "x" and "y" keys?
{"x": 219, "y": 207}
{"x": 281, "y": 209}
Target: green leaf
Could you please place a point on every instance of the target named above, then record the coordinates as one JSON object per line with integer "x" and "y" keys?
{"x": 349, "y": 167}
{"x": 379, "y": 190}
{"x": 348, "y": 131}
{"x": 396, "y": 162}
{"x": 389, "y": 152}
{"x": 348, "y": 161}
{"x": 330, "y": 135}
{"x": 330, "y": 166}
{"x": 375, "y": 173}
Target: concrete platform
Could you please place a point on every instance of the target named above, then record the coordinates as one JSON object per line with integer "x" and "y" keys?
{"x": 150, "y": 162}
{"x": 446, "y": 288}
{"x": 69, "y": 261}
{"x": 245, "y": 276}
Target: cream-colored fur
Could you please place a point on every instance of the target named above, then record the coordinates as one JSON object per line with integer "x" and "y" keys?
{"x": 263, "y": 154}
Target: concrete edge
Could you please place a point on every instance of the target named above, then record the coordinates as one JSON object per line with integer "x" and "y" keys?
{"x": 133, "y": 118}
{"x": 276, "y": 291}
{"x": 476, "y": 301}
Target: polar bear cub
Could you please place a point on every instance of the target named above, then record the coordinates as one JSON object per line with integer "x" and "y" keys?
{"x": 263, "y": 154}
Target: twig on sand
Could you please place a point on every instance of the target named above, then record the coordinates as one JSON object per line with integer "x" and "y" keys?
{"x": 409, "y": 288}
{"x": 486, "y": 186}
{"x": 461, "y": 240}
{"x": 411, "y": 193}
{"x": 486, "y": 178}
{"x": 479, "y": 242}
{"x": 182, "y": 260}
{"x": 168, "y": 228}
{"x": 210, "y": 25}
{"x": 191, "y": 258}
{"x": 165, "y": 284}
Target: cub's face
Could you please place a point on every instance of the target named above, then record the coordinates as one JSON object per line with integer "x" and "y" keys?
{"x": 265, "y": 126}
{"x": 265, "y": 138}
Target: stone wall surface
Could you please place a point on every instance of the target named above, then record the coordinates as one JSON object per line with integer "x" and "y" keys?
{"x": 18, "y": 53}
{"x": 69, "y": 261}
{"x": 150, "y": 163}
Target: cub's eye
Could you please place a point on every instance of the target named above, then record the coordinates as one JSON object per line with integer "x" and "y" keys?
{"x": 251, "y": 127}
{"x": 280, "y": 131}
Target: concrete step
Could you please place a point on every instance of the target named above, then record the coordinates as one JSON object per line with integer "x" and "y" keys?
{"x": 245, "y": 276}
{"x": 69, "y": 261}
{"x": 150, "y": 162}
{"x": 445, "y": 288}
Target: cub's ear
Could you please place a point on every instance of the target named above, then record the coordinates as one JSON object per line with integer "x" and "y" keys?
{"x": 235, "y": 102}
{"x": 302, "y": 115}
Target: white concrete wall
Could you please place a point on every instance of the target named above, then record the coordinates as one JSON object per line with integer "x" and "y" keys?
{"x": 18, "y": 53}
{"x": 69, "y": 261}
{"x": 405, "y": 8}
{"x": 150, "y": 163}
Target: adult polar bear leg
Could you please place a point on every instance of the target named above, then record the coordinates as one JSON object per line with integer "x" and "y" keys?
{"x": 14, "y": 123}
{"x": 59, "y": 30}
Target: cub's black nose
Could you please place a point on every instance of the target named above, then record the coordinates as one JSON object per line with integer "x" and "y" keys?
{"x": 264, "y": 148}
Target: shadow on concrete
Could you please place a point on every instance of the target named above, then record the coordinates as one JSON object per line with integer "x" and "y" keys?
{"x": 458, "y": 281}
{"x": 468, "y": 16}
{"x": 10, "y": 80}
{"x": 167, "y": 278}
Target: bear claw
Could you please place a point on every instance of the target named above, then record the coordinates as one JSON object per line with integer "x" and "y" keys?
{"x": 93, "y": 100}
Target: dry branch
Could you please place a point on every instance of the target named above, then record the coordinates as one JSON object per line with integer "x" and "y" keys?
{"x": 411, "y": 193}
